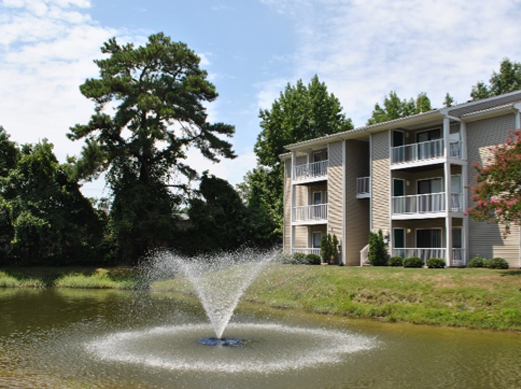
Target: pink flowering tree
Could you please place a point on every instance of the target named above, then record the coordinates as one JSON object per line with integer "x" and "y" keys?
{"x": 497, "y": 192}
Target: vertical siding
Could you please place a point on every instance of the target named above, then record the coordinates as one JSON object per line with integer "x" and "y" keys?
{"x": 485, "y": 239}
{"x": 357, "y": 210}
{"x": 380, "y": 183}
{"x": 334, "y": 182}
{"x": 287, "y": 206}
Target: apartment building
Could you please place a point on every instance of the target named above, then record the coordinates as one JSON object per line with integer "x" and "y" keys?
{"x": 408, "y": 177}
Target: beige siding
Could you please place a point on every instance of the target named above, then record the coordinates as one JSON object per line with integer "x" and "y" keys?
{"x": 334, "y": 181}
{"x": 485, "y": 239}
{"x": 287, "y": 206}
{"x": 380, "y": 182}
{"x": 357, "y": 210}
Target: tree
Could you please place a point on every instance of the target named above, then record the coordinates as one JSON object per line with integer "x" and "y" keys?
{"x": 507, "y": 80}
{"x": 449, "y": 100}
{"x": 497, "y": 192}
{"x": 218, "y": 218}
{"x": 377, "y": 252}
{"x": 329, "y": 248}
{"x": 159, "y": 93}
{"x": 51, "y": 221}
{"x": 394, "y": 108}
{"x": 300, "y": 113}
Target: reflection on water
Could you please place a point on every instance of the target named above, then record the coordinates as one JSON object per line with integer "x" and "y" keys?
{"x": 57, "y": 338}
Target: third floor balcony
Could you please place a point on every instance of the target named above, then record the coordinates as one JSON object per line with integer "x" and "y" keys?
{"x": 424, "y": 152}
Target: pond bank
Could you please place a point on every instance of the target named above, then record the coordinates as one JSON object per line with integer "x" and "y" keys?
{"x": 472, "y": 298}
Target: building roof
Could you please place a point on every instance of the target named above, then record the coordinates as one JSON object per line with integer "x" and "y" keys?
{"x": 468, "y": 111}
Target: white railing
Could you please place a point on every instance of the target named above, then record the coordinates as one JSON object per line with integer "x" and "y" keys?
{"x": 364, "y": 256}
{"x": 458, "y": 255}
{"x": 363, "y": 187}
{"x": 309, "y": 213}
{"x": 310, "y": 170}
{"x": 425, "y": 203}
{"x": 306, "y": 250}
{"x": 423, "y": 151}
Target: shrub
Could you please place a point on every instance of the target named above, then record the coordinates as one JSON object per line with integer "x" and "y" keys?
{"x": 284, "y": 258}
{"x": 312, "y": 259}
{"x": 496, "y": 263}
{"x": 298, "y": 258}
{"x": 477, "y": 261}
{"x": 395, "y": 261}
{"x": 377, "y": 252}
{"x": 435, "y": 263}
{"x": 329, "y": 248}
{"x": 413, "y": 262}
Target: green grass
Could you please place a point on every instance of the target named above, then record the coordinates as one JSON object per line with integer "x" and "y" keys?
{"x": 68, "y": 277}
{"x": 474, "y": 298}
{"x": 19, "y": 281}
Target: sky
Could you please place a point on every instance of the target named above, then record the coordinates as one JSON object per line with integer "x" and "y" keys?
{"x": 361, "y": 49}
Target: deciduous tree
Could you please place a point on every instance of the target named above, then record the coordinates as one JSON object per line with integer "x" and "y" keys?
{"x": 394, "y": 108}
{"x": 507, "y": 80}
{"x": 497, "y": 192}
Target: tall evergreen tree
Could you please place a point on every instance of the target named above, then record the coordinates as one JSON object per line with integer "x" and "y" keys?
{"x": 159, "y": 93}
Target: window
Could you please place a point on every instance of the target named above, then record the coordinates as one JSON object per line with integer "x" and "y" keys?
{"x": 428, "y": 238}
{"x": 425, "y": 136}
{"x": 317, "y": 240}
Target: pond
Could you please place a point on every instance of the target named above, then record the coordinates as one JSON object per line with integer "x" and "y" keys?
{"x": 112, "y": 339}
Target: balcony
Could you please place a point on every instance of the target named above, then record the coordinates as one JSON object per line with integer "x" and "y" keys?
{"x": 309, "y": 172}
{"x": 424, "y": 205}
{"x": 310, "y": 214}
{"x": 424, "y": 152}
{"x": 363, "y": 187}
{"x": 306, "y": 250}
{"x": 458, "y": 254}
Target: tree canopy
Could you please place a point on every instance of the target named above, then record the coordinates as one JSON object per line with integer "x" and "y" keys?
{"x": 394, "y": 108}
{"x": 45, "y": 219}
{"x": 158, "y": 94}
{"x": 507, "y": 80}
{"x": 300, "y": 112}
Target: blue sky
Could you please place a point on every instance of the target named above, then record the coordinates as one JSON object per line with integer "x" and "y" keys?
{"x": 361, "y": 49}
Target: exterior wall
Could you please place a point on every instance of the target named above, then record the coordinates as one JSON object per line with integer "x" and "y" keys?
{"x": 485, "y": 239}
{"x": 287, "y": 206}
{"x": 357, "y": 210}
{"x": 380, "y": 182}
{"x": 335, "y": 195}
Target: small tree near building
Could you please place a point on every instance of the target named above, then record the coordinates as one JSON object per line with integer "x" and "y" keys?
{"x": 377, "y": 251}
{"x": 329, "y": 248}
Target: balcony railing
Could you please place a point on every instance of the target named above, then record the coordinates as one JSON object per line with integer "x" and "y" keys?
{"x": 310, "y": 171}
{"x": 306, "y": 250}
{"x": 310, "y": 213}
{"x": 425, "y": 203}
{"x": 422, "y": 151}
{"x": 458, "y": 254}
{"x": 363, "y": 187}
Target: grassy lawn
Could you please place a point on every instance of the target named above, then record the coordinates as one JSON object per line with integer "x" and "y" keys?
{"x": 474, "y": 298}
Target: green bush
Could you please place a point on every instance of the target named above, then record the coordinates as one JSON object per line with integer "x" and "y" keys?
{"x": 413, "y": 262}
{"x": 284, "y": 258}
{"x": 435, "y": 263}
{"x": 312, "y": 259}
{"x": 496, "y": 263}
{"x": 377, "y": 252}
{"x": 477, "y": 261}
{"x": 395, "y": 261}
{"x": 298, "y": 258}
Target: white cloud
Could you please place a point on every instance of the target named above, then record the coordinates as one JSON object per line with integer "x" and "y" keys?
{"x": 363, "y": 49}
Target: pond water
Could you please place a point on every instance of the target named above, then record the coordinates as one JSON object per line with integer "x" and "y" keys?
{"x": 111, "y": 339}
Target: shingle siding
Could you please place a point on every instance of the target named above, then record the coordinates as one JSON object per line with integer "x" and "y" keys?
{"x": 485, "y": 239}
{"x": 380, "y": 182}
